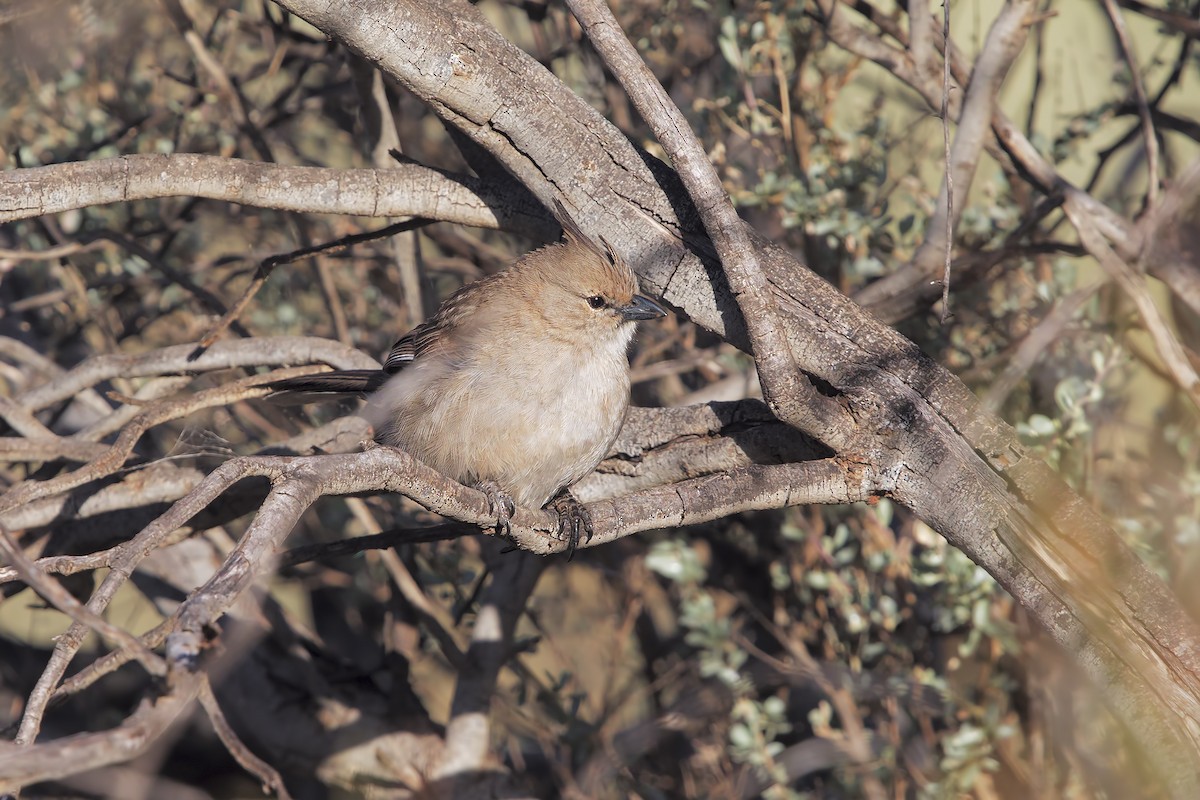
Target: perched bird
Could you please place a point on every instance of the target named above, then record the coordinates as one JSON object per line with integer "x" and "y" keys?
{"x": 519, "y": 384}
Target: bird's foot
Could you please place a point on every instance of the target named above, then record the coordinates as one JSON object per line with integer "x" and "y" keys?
{"x": 573, "y": 519}
{"x": 500, "y": 506}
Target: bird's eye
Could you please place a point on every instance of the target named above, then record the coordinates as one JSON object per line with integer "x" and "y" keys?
{"x": 596, "y": 301}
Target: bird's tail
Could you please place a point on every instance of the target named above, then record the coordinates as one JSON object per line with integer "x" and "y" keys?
{"x": 327, "y": 386}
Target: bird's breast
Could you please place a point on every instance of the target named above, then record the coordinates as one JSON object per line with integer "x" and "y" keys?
{"x": 533, "y": 425}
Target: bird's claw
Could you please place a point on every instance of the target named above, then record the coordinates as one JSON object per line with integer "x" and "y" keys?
{"x": 573, "y": 518}
{"x": 500, "y": 506}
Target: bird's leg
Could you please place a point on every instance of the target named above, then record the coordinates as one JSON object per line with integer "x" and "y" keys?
{"x": 573, "y": 518}
{"x": 500, "y": 505}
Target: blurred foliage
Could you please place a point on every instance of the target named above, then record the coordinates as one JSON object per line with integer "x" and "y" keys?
{"x": 857, "y": 630}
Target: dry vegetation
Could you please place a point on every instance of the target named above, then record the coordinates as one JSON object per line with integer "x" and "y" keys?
{"x": 240, "y": 629}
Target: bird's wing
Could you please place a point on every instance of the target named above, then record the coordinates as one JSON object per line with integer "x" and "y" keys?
{"x": 456, "y": 308}
{"x": 406, "y": 348}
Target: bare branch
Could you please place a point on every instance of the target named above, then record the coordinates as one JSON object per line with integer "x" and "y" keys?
{"x": 1149, "y": 137}
{"x": 1134, "y": 285}
{"x": 1179, "y": 22}
{"x": 1044, "y": 334}
{"x": 376, "y": 110}
{"x": 271, "y": 780}
{"x": 1004, "y": 42}
{"x": 21, "y": 766}
{"x": 61, "y": 599}
{"x": 178, "y": 360}
{"x": 407, "y": 190}
{"x": 467, "y": 753}
{"x": 114, "y": 457}
{"x": 132, "y": 553}
{"x": 948, "y": 218}
{"x": 790, "y": 394}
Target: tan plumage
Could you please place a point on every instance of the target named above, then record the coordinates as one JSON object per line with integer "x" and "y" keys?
{"x": 519, "y": 383}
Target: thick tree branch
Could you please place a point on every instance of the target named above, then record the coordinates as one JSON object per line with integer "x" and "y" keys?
{"x": 965, "y": 474}
{"x": 405, "y": 190}
{"x": 958, "y": 468}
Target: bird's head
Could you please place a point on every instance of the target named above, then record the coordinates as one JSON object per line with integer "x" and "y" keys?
{"x": 590, "y": 290}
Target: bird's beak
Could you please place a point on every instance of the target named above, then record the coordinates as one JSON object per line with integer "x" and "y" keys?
{"x": 641, "y": 308}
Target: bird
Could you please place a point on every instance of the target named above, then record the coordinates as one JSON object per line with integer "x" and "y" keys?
{"x": 518, "y": 385}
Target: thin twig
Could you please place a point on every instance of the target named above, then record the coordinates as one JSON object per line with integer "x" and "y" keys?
{"x": 45, "y": 761}
{"x": 435, "y": 618}
{"x": 1044, "y": 334}
{"x": 949, "y": 249}
{"x": 271, "y": 779}
{"x": 132, "y": 554}
{"x": 375, "y": 541}
{"x": 109, "y": 663}
{"x": 176, "y": 360}
{"x": 386, "y": 153}
{"x": 1134, "y": 285}
{"x": 1139, "y": 92}
{"x": 268, "y": 265}
{"x": 154, "y": 415}
{"x": 52, "y": 253}
{"x": 52, "y": 591}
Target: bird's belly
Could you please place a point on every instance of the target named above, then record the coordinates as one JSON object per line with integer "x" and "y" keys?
{"x": 532, "y": 435}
